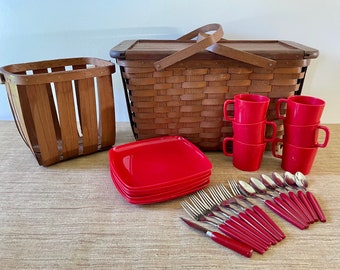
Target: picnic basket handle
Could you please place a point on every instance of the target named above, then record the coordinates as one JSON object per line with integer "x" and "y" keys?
{"x": 199, "y": 46}
{"x": 210, "y": 42}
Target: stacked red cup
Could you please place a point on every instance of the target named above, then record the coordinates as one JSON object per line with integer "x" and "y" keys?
{"x": 300, "y": 142}
{"x": 249, "y": 128}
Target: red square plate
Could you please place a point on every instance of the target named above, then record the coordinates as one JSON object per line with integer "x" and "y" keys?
{"x": 157, "y": 162}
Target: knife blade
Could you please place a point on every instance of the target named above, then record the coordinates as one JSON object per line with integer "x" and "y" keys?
{"x": 221, "y": 239}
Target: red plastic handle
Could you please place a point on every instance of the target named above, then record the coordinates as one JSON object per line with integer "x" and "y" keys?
{"x": 325, "y": 142}
{"x": 282, "y": 213}
{"x": 247, "y": 230}
{"x": 316, "y": 206}
{"x": 270, "y": 232}
{"x": 289, "y": 211}
{"x": 251, "y": 220}
{"x": 232, "y": 244}
{"x": 276, "y": 232}
{"x": 235, "y": 234}
{"x": 225, "y": 110}
{"x": 224, "y": 146}
{"x": 274, "y": 147}
{"x": 278, "y": 107}
{"x": 303, "y": 208}
{"x": 297, "y": 211}
{"x": 273, "y": 135}
{"x": 308, "y": 205}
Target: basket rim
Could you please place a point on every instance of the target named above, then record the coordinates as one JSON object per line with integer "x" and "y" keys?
{"x": 101, "y": 68}
{"x": 157, "y": 49}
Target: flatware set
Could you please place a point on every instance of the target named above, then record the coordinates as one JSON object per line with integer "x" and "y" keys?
{"x": 238, "y": 218}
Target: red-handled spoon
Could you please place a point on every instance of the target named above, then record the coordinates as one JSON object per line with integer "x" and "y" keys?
{"x": 277, "y": 205}
{"x": 301, "y": 181}
{"x": 289, "y": 181}
{"x": 250, "y": 191}
{"x": 271, "y": 184}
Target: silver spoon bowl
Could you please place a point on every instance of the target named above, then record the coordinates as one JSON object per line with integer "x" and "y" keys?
{"x": 249, "y": 191}
{"x": 301, "y": 181}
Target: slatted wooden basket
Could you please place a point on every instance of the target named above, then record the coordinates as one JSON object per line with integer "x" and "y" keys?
{"x": 179, "y": 86}
{"x": 62, "y": 108}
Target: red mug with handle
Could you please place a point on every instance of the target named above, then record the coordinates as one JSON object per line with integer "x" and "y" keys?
{"x": 301, "y": 110}
{"x": 306, "y": 135}
{"x": 246, "y": 157}
{"x": 253, "y": 133}
{"x": 294, "y": 158}
{"x": 248, "y": 108}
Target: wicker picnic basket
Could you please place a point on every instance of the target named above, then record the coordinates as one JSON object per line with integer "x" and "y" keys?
{"x": 179, "y": 86}
{"x": 63, "y": 108}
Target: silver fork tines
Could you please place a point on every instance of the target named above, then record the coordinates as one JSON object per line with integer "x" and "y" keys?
{"x": 190, "y": 210}
{"x": 234, "y": 187}
{"x": 225, "y": 191}
{"x": 206, "y": 198}
{"x": 198, "y": 204}
{"x": 216, "y": 194}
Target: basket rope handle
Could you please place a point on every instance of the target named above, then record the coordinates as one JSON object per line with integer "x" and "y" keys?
{"x": 199, "y": 46}
{"x": 210, "y": 42}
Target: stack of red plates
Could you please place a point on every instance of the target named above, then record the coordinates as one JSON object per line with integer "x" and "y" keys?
{"x": 158, "y": 169}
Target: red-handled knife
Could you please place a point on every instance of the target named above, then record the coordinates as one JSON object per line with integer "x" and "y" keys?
{"x": 223, "y": 240}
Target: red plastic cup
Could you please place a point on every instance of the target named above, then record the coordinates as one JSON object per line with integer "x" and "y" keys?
{"x": 253, "y": 133}
{"x": 301, "y": 110}
{"x": 295, "y": 158}
{"x": 305, "y": 135}
{"x": 246, "y": 157}
{"x": 248, "y": 108}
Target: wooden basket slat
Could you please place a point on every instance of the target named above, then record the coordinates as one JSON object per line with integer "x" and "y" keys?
{"x": 45, "y": 130}
{"x": 67, "y": 118}
{"x": 107, "y": 117}
{"x": 50, "y": 102}
{"x": 14, "y": 102}
{"x": 22, "y": 106}
{"x": 87, "y": 114}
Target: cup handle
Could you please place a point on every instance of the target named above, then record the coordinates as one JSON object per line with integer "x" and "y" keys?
{"x": 273, "y": 125}
{"x": 275, "y": 142}
{"x": 278, "y": 107}
{"x": 225, "y": 112}
{"x": 326, "y": 130}
{"x": 224, "y": 145}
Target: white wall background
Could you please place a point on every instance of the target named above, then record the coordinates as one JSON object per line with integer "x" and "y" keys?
{"x": 32, "y": 30}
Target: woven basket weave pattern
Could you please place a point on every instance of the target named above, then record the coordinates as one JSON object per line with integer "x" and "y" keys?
{"x": 187, "y": 98}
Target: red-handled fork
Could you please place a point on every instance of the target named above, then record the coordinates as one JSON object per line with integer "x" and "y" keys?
{"x": 224, "y": 217}
{"x": 227, "y": 227}
{"x": 252, "y": 219}
{"x": 269, "y": 224}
